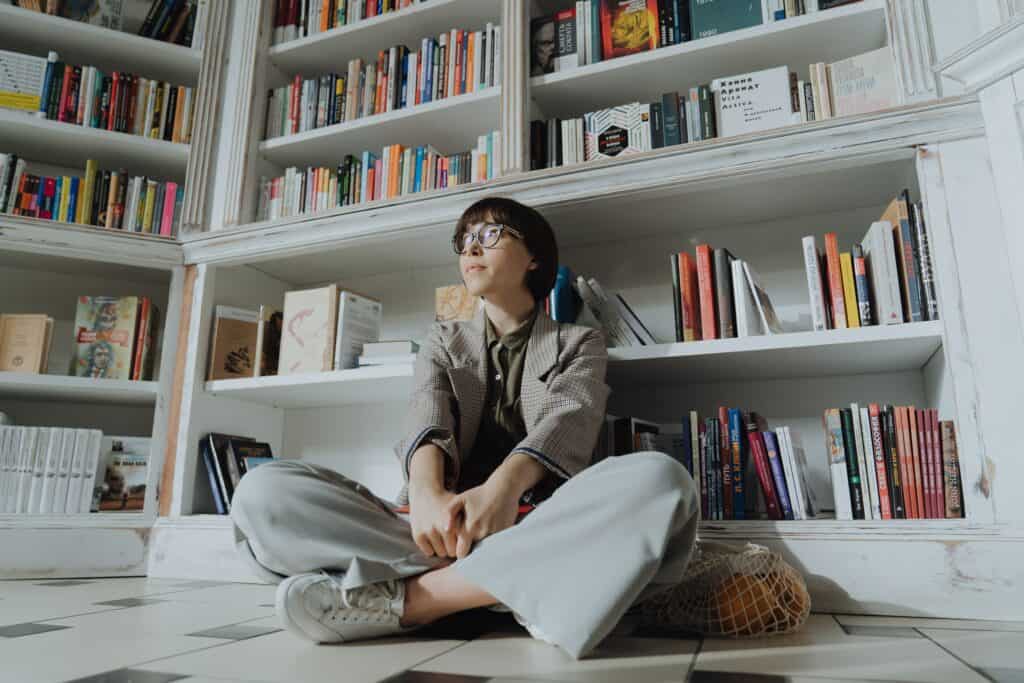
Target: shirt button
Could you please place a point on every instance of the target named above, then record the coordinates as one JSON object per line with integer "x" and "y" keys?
{"x": 498, "y": 377}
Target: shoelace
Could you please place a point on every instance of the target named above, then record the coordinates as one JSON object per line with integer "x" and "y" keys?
{"x": 362, "y": 603}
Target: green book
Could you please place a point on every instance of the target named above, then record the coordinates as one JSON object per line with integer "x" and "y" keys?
{"x": 711, "y": 17}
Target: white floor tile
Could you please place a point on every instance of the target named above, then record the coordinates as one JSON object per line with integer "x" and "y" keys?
{"x": 284, "y": 657}
{"x": 234, "y": 593}
{"x": 170, "y": 618}
{"x": 637, "y": 660}
{"x": 823, "y": 649}
{"x": 986, "y": 650}
{"x": 925, "y": 622}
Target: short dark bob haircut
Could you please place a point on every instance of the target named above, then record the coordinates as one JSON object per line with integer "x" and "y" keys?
{"x": 537, "y": 235}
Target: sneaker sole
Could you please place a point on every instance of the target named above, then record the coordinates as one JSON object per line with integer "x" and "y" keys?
{"x": 323, "y": 635}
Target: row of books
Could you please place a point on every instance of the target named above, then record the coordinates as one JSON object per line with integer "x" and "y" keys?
{"x": 56, "y": 470}
{"x": 591, "y": 31}
{"x": 227, "y": 459}
{"x": 300, "y": 18}
{"x": 887, "y": 278}
{"x": 114, "y": 338}
{"x": 893, "y": 462}
{"x": 585, "y": 301}
{"x": 397, "y": 171}
{"x": 454, "y": 63}
{"x": 725, "y": 107}
{"x": 103, "y": 198}
{"x": 119, "y": 101}
{"x": 171, "y": 21}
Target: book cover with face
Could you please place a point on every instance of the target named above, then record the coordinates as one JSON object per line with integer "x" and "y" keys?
{"x": 105, "y": 336}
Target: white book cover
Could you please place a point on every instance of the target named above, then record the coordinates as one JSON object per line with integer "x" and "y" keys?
{"x": 766, "y": 312}
{"x": 21, "y": 81}
{"x": 837, "y": 456}
{"x": 870, "y": 476}
{"x": 632, "y": 320}
{"x": 611, "y": 315}
{"x": 394, "y": 359}
{"x": 644, "y": 142}
{"x": 814, "y": 288}
{"x": 92, "y": 474}
{"x": 880, "y": 261}
{"x": 39, "y": 451}
{"x": 862, "y": 459}
{"x": 307, "y": 337}
{"x": 752, "y": 102}
{"x": 24, "y": 444}
{"x": 598, "y": 307}
{"x": 810, "y": 498}
{"x": 6, "y": 468}
{"x": 67, "y": 454}
{"x": 748, "y": 321}
{"x": 789, "y": 473}
{"x": 864, "y": 83}
{"x": 359, "y": 319}
{"x": 50, "y": 470}
{"x": 613, "y": 131}
{"x": 79, "y": 442}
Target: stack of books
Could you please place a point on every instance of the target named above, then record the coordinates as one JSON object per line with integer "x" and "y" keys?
{"x": 893, "y": 462}
{"x": 455, "y": 63}
{"x": 397, "y": 352}
{"x": 717, "y": 296}
{"x": 227, "y": 459}
{"x": 102, "y": 198}
{"x": 886, "y": 279}
{"x": 49, "y": 470}
{"x": 395, "y": 172}
{"x": 294, "y": 19}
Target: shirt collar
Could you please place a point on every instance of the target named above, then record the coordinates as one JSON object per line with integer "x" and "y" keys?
{"x": 513, "y": 340}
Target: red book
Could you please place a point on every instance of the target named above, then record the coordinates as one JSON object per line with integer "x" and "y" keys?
{"x": 706, "y": 287}
{"x": 936, "y": 455}
{"x": 62, "y": 106}
{"x": 835, "y": 281}
{"x": 293, "y": 14}
{"x": 688, "y": 297}
{"x": 460, "y": 62}
{"x": 915, "y": 461}
{"x": 115, "y": 87}
{"x": 910, "y": 498}
{"x": 50, "y": 198}
{"x": 637, "y": 21}
{"x": 878, "y": 450}
{"x": 764, "y": 474}
{"x": 293, "y": 109}
{"x": 142, "y": 326}
{"x": 924, "y": 463}
{"x": 725, "y": 458}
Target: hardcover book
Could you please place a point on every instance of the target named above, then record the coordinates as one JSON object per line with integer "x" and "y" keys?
{"x": 613, "y": 131}
{"x": 359, "y": 319}
{"x": 24, "y": 342}
{"x": 105, "y": 332}
{"x": 711, "y": 17}
{"x": 628, "y": 27}
{"x": 233, "y": 349}
{"x": 124, "y": 484}
{"x": 752, "y": 102}
{"x": 307, "y": 341}
{"x": 864, "y": 83}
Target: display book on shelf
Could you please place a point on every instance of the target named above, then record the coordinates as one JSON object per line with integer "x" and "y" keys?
{"x": 57, "y": 470}
{"x": 181, "y": 23}
{"x": 458, "y": 62}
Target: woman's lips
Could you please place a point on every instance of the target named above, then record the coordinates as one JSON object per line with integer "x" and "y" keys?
{"x": 471, "y": 269}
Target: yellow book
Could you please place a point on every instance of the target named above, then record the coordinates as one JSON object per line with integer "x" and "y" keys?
{"x": 84, "y": 213}
{"x": 65, "y": 194}
{"x": 147, "y": 216}
{"x": 849, "y": 290}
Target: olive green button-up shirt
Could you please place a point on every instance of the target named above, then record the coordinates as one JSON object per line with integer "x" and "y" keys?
{"x": 501, "y": 424}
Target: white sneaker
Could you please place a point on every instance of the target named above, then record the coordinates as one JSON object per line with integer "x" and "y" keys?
{"x": 316, "y": 607}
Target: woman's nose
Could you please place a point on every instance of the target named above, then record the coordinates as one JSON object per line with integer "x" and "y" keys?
{"x": 474, "y": 248}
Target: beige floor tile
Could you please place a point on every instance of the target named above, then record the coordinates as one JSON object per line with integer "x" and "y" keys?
{"x": 926, "y": 622}
{"x": 171, "y": 618}
{"x": 284, "y": 657}
{"x": 637, "y": 660}
{"x": 985, "y": 650}
{"x": 823, "y": 649}
{"x": 234, "y": 593}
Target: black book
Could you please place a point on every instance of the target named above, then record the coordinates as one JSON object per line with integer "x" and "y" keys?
{"x": 670, "y": 118}
{"x": 190, "y": 27}
{"x": 657, "y": 126}
{"x": 172, "y": 103}
{"x": 676, "y": 296}
{"x": 708, "y": 127}
{"x": 162, "y": 25}
{"x": 725, "y": 307}
{"x": 663, "y": 30}
{"x": 684, "y": 20}
{"x": 927, "y": 267}
{"x": 101, "y": 196}
{"x": 892, "y": 462}
{"x": 119, "y": 201}
{"x": 211, "y": 475}
{"x": 218, "y": 447}
{"x": 538, "y": 148}
{"x": 151, "y": 15}
{"x": 853, "y": 472}
{"x": 53, "y": 97}
{"x": 916, "y": 249}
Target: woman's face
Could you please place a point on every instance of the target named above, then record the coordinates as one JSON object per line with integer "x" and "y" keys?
{"x": 498, "y": 270}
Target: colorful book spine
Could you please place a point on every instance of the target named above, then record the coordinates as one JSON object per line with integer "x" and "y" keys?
{"x": 771, "y": 446}
{"x": 760, "y": 455}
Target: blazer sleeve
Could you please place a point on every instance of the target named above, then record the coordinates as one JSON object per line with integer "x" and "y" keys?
{"x": 564, "y": 438}
{"x": 432, "y": 415}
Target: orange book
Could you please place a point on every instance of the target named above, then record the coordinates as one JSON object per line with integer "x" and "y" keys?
{"x": 835, "y": 281}
{"x": 906, "y": 469}
{"x": 460, "y": 64}
{"x": 378, "y": 98}
{"x": 688, "y": 300}
{"x": 917, "y": 461}
{"x": 396, "y": 162}
{"x": 179, "y": 114}
{"x": 706, "y": 289}
{"x": 470, "y": 61}
{"x": 325, "y": 10}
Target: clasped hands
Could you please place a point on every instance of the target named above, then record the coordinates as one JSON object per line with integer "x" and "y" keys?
{"x": 447, "y": 524}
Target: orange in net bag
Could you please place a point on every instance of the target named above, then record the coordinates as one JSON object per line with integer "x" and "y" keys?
{"x": 731, "y": 590}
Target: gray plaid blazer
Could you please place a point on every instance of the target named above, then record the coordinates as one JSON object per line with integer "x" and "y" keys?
{"x": 563, "y": 396}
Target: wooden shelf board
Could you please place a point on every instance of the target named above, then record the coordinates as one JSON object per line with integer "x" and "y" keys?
{"x": 72, "y": 389}
{"x": 359, "y": 239}
{"x": 86, "y": 45}
{"x": 430, "y": 123}
{"x": 372, "y": 384}
{"x": 887, "y": 348}
{"x": 824, "y": 36}
{"x": 315, "y": 54}
{"x": 71, "y": 145}
{"x": 41, "y": 244}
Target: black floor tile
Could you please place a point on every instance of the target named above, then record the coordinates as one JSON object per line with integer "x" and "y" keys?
{"x": 881, "y": 631}
{"x": 129, "y": 602}
{"x": 235, "y": 632}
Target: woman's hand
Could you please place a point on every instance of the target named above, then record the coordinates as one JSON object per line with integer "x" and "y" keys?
{"x": 486, "y": 509}
{"x": 429, "y": 519}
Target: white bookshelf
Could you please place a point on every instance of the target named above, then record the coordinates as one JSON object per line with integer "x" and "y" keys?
{"x": 363, "y": 38}
{"x": 37, "y": 138}
{"x": 796, "y": 42}
{"x": 76, "y": 42}
{"x": 39, "y": 387}
{"x": 364, "y": 385}
{"x": 429, "y": 123}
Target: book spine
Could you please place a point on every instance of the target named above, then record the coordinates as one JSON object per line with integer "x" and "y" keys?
{"x": 835, "y": 281}
{"x": 912, "y": 299}
{"x": 760, "y": 454}
{"x": 771, "y": 445}
{"x": 705, "y": 283}
{"x": 953, "y": 492}
{"x": 814, "y": 290}
{"x": 726, "y": 314}
{"x": 852, "y": 464}
{"x": 931, "y": 310}
{"x": 906, "y": 475}
{"x": 725, "y": 463}
{"x": 863, "y": 291}
{"x": 915, "y": 462}
{"x": 703, "y": 465}
{"x": 849, "y": 290}
{"x": 835, "y": 446}
{"x": 677, "y": 313}
{"x": 878, "y": 462}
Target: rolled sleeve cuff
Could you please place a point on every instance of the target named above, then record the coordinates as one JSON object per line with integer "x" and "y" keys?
{"x": 544, "y": 460}
{"x": 444, "y": 440}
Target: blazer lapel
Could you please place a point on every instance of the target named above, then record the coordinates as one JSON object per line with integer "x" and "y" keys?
{"x": 541, "y": 357}
{"x": 468, "y": 378}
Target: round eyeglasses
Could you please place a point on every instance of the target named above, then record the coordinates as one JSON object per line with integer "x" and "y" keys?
{"x": 488, "y": 237}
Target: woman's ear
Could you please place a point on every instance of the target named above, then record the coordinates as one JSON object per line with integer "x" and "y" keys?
{"x": 533, "y": 265}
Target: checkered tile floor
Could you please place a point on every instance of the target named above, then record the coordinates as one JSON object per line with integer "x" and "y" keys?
{"x": 140, "y": 630}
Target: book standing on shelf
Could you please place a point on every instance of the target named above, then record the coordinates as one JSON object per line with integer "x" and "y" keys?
{"x": 233, "y": 352}
{"x": 115, "y": 337}
{"x": 227, "y": 459}
{"x": 49, "y": 470}
{"x": 25, "y": 342}
{"x": 125, "y": 463}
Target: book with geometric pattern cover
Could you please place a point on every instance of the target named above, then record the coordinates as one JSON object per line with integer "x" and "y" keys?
{"x": 613, "y": 131}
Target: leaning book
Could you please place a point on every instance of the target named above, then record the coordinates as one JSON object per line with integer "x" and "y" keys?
{"x": 105, "y": 336}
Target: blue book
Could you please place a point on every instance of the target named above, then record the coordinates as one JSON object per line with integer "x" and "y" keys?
{"x": 58, "y": 185}
{"x": 564, "y": 300}
{"x": 428, "y": 81}
{"x": 595, "y": 30}
{"x": 771, "y": 445}
{"x": 72, "y": 216}
{"x": 490, "y": 155}
{"x": 47, "y": 82}
{"x": 417, "y": 179}
{"x": 211, "y": 472}
{"x": 736, "y": 451}
{"x": 711, "y": 17}
{"x": 404, "y": 80}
